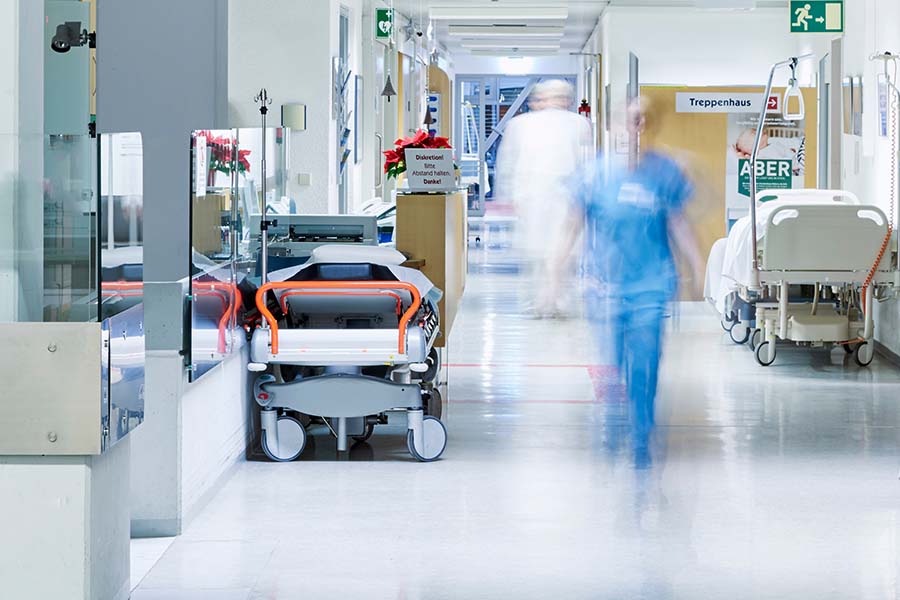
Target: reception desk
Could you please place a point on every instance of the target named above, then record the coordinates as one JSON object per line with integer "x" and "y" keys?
{"x": 433, "y": 228}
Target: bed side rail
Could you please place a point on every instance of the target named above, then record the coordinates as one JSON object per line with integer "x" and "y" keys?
{"x": 348, "y": 288}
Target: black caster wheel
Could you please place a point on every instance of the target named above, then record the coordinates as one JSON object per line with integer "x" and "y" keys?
{"x": 434, "y": 404}
{"x": 291, "y": 440}
{"x": 761, "y": 354}
{"x": 739, "y": 334}
{"x": 848, "y": 348}
{"x": 370, "y": 429}
{"x": 434, "y": 442}
{"x": 728, "y": 321}
{"x": 863, "y": 354}
{"x": 755, "y": 339}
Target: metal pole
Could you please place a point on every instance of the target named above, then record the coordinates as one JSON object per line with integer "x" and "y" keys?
{"x": 264, "y": 101}
{"x": 792, "y": 62}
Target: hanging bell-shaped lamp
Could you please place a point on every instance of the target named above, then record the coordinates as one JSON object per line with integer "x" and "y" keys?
{"x": 388, "y": 90}
{"x": 429, "y": 119}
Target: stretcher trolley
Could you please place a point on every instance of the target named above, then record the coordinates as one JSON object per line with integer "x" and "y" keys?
{"x": 347, "y": 343}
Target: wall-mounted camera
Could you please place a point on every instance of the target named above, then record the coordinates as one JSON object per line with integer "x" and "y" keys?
{"x": 69, "y": 35}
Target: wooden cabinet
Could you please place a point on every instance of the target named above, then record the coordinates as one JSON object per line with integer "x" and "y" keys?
{"x": 433, "y": 228}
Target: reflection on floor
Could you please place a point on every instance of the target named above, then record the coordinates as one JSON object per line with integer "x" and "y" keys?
{"x": 767, "y": 483}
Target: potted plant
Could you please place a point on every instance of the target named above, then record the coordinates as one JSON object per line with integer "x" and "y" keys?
{"x": 395, "y": 160}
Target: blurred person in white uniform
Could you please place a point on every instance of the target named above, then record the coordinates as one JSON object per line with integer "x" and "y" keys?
{"x": 541, "y": 151}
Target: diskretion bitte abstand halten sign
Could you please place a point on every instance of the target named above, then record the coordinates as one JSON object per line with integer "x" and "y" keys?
{"x": 430, "y": 170}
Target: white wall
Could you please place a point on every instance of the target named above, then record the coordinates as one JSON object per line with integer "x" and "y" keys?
{"x": 216, "y": 420}
{"x": 871, "y": 26}
{"x": 286, "y": 47}
{"x": 678, "y": 46}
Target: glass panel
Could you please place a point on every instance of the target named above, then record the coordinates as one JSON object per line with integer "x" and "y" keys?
{"x": 69, "y": 231}
{"x": 215, "y": 165}
{"x": 121, "y": 222}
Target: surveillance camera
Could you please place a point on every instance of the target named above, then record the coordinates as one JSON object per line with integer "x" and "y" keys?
{"x": 70, "y": 34}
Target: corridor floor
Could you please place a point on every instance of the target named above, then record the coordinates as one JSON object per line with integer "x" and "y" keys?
{"x": 777, "y": 482}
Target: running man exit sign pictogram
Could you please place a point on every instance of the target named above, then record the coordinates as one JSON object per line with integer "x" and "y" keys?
{"x": 817, "y": 16}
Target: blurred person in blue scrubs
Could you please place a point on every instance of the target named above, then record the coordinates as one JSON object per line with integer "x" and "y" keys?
{"x": 630, "y": 219}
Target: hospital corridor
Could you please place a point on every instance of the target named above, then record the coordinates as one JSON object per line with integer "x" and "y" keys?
{"x": 450, "y": 299}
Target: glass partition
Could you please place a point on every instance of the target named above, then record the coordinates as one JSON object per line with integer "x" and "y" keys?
{"x": 226, "y": 214}
{"x": 121, "y": 222}
{"x": 71, "y": 237}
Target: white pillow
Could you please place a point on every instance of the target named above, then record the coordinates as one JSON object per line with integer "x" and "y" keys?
{"x": 357, "y": 253}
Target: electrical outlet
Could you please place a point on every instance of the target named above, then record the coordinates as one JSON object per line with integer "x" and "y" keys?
{"x": 304, "y": 178}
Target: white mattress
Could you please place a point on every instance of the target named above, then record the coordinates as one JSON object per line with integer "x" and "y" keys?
{"x": 373, "y": 255}
{"x": 731, "y": 259}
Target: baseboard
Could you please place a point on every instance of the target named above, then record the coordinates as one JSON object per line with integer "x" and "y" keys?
{"x": 888, "y": 354}
{"x": 153, "y": 528}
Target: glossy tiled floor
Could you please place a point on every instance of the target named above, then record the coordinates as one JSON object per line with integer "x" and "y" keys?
{"x": 766, "y": 483}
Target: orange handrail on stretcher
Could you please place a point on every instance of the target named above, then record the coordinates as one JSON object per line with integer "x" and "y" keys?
{"x": 350, "y": 288}
{"x": 231, "y": 306}
{"x": 286, "y": 295}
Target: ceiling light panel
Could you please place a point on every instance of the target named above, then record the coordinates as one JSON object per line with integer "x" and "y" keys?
{"x": 494, "y": 14}
{"x": 513, "y": 54}
{"x": 497, "y": 31}
{"x": 510, "y": 45}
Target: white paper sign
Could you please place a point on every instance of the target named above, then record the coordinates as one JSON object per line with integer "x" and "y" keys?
{"x": 430, "y": 170}
{"x": 201, "y": 166}
{"x": 724, "y": 102}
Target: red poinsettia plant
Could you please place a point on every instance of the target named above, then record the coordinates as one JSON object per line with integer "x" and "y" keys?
{"x": 220, "y": 158}
{"x": 395, "y": 160}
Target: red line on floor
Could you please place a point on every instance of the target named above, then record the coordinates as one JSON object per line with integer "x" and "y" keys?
{"x": 513, "y": 402}
{"x": 597, "y": 368}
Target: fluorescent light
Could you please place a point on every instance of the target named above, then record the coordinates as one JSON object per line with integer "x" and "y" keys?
{"x": 511, "y": 53}
{"x": 492, "y": 31}
{"x": 493, "y": 14}
{"x": 509, "y": 44}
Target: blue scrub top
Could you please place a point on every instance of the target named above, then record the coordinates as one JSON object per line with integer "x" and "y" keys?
{"x": 626, "y": 216}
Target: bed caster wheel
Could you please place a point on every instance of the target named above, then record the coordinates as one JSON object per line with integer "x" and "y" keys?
{"x": 762, "y": 354}
{"x": 434, "y": 404}
{"x": 848, "y": 348}
{"x": 755, "y": 339}
{"x": 728, "y": 321}
{"x": 863, "y": 354}
{"x": 289, "y": 440}
{"x": 739, "y": 334}
{"x": 433, "y": 442}
{"x": 370, "y": 429}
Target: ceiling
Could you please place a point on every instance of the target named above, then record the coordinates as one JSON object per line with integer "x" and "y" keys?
{"x": 521, "y": 27}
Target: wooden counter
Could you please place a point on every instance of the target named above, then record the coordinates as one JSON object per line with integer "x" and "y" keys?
{"x": 433, "y": 228}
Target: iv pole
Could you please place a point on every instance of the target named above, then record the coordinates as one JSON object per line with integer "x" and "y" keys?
{"x": 792, "y": 63}
{"x": 264, "y": 101}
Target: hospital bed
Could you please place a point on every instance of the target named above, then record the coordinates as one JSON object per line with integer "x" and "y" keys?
{"x": 347, "y": 338}
{"x": 820, "y": 265}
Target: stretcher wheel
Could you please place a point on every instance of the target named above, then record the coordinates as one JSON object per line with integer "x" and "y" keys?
{"x": 755, "y": 338}
{"x": 434, "y": 404}
{"x": 848, "y": 348}
{"x": 761, "y": 351}
{"x": 291, "y": 440}
{"x": 863, "y": 354}
{"x": 728, "y": 321}
{"x": 434, "y": 362}
{"x": 739, "y": 335}
{"x": 434, "y": 442}
{"x": 370, "y": 429}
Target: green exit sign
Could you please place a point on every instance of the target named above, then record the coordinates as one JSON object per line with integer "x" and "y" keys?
{"x": 384, "y": 23}
{"x": 817, "y": 16}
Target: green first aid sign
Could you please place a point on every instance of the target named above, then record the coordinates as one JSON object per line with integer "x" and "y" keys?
{"x": 817, "y": 16}
{"x": 770, "y": 175}
{"x": 384, "y": 23}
